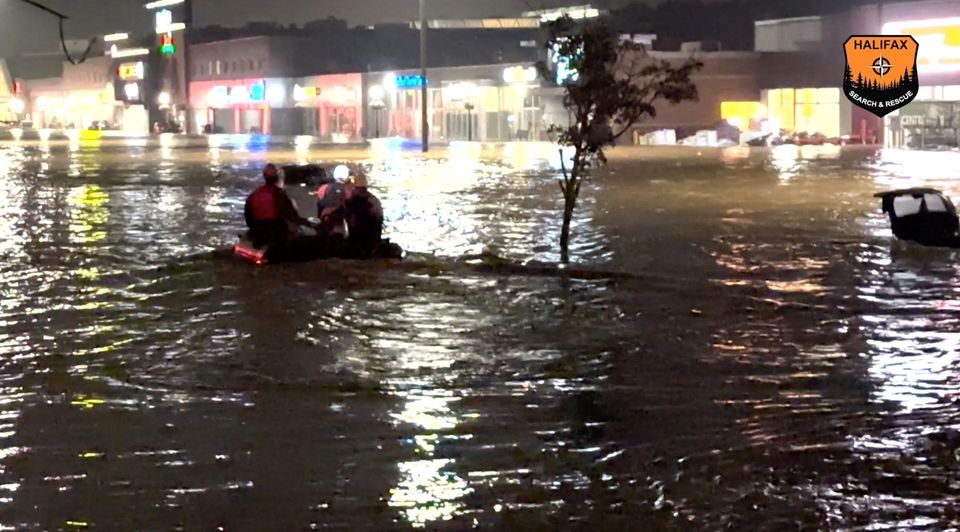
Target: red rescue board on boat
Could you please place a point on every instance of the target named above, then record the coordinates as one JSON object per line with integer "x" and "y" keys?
{"x": 249, "y": 253}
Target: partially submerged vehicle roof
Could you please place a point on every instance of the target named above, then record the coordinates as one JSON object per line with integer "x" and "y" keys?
{"x": 917, "y": 191}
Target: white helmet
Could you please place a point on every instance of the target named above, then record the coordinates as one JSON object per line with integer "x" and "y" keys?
{"x": 341, "y": 172}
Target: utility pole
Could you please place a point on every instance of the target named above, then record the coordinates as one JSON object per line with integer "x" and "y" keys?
{"x": 187, "y": 67}
{"x": 424, "y": 130}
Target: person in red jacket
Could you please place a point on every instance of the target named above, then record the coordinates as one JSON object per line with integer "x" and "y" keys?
{"x": 270, "y": 213}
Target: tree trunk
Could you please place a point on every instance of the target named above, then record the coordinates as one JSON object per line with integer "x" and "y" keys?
{"x": 569, "y": 202}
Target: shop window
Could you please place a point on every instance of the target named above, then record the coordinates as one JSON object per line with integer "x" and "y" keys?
{"x": 739, "y": 114}
{"x": 806, "y": 96}
{"x": 828, "y": 95}
{"x": 951, "y": 93}
{"x": 780, "y": 107}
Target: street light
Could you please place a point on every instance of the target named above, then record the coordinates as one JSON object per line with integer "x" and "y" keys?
{"x": 17, "y": 106}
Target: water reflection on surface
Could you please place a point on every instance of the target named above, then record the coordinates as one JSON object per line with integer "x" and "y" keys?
{"x": 777, "y": 363}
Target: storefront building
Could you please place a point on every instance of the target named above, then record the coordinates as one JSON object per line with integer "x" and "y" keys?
{"x": 330, "y": 106}
{"x": 83, "y": 95}
{"x": 802, "y": 78}
{"x": 245, "y": 106}
{"x": 12, "y": 105}
{"x": 728, "y": 88}
{"x": 246, "y": 85}
{"x": 473, "y": 103}
{"x": 394, "y": 100}
{"x": 932, "y": 119}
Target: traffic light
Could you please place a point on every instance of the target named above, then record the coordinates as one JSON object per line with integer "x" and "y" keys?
{"x": 166, "y": 44}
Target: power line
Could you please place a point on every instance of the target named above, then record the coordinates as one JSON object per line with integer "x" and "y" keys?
{"x": 63, "y": 43}
{"x": 47, "y": 9}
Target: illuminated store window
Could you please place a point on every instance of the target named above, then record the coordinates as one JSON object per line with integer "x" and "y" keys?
{"x": 951, "y": 93}
{"x": 739, "y": 114}
{"x": 780, "y": 106}
{"x": 811, "y": 110}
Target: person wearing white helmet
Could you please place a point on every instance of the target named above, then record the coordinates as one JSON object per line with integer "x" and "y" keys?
{"x": 331, "y": 204}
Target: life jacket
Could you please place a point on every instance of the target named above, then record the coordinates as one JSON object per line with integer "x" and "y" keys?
{"x": 263, "y": 203}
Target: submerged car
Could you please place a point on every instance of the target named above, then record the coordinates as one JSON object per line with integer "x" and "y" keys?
{"x": 922, "y": 215}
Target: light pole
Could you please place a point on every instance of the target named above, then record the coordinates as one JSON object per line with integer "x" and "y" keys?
{"x": 469, "y": 108}
{"x": 424, "y": 130}
{"x": 187, "y": 72}
{"x": 376, "y": 103}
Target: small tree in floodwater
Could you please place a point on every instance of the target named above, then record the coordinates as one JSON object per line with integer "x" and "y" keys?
{"x": 613, "y": 85}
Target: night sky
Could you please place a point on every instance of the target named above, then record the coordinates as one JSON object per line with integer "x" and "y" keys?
{"x": 23, "y": 29}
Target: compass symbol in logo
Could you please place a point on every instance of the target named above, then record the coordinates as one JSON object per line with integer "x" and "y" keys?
{"x": 881, "y": 66}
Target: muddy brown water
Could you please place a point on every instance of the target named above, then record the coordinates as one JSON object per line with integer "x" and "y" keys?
{"x": 775, "y": 364}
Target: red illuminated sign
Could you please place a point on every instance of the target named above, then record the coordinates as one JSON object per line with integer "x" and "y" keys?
{"x": 17, "y": 87}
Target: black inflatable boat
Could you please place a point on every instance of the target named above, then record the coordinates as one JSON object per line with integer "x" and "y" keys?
{"x": 308, "y": 249}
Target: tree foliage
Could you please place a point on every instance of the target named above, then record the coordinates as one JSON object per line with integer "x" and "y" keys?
{"x": 615, "y": 85}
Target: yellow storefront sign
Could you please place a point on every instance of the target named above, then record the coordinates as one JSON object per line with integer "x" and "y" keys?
{"x": 938, "y": 40}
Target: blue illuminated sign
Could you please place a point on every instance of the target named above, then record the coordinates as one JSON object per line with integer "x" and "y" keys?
{"x": 257, "y": 92}
{"x": 563, "y": 72}
{"x": 409, "y": 81}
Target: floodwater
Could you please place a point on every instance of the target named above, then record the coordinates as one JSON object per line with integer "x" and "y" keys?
{"x": 775, "y": 363}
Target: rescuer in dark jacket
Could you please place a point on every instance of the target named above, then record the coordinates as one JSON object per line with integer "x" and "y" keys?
{"x": 364, "y": 217}
{"x": 270, "y": 213}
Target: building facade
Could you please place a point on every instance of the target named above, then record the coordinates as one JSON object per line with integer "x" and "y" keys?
{"x": 84, "y": 94}
{"x": 331, "y": 106}
{"x": 503, "y": 102}
{"x": 932, "y": 119}
{"x": 12, "y": 105}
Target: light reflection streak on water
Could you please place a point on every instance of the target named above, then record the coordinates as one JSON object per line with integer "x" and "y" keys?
{"x": 12, "y": 345}
{"x": 89, "y": 214}
{"x": 428, "y": 489}
{"x": 166, "y": 146}
{"x": 908, "y": 168}
{"x": 784, "y": 159}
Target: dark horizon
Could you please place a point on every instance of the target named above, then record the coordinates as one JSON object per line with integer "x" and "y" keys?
{"x": 130, "y": 16}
